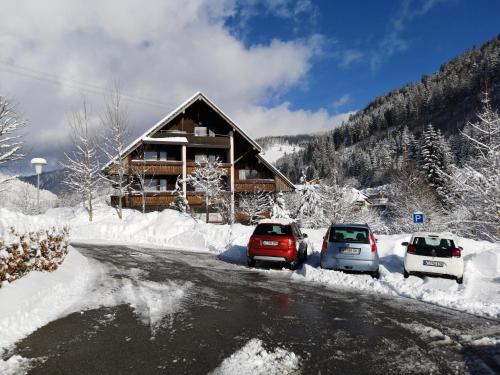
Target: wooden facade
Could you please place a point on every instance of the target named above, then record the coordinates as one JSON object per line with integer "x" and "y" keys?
{"x": 173, "y": 148}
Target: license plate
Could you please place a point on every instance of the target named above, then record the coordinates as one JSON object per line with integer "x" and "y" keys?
{"x": 433, "y": 263}
{"x": 350, "y": 250}
{"x": 270, "y": 243}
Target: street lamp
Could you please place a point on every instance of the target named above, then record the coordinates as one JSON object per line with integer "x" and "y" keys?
{"x": 38, "y": 163}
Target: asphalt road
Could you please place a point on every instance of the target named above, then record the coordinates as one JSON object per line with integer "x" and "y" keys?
{"x": 333, "y": 331}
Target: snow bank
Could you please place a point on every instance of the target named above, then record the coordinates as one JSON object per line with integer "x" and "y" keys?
{"x": 480, "y": 293}
{"x": 40, "y": 297}
{"x": 254, "y": 359}
{"x": 16, "y": 365}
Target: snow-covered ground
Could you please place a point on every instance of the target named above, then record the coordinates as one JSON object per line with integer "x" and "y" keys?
{"x": 253, "y": 358}
{"x": 480, "y": 293}
{"x": 276, "y": 151}
{"x": 19, "y": 195}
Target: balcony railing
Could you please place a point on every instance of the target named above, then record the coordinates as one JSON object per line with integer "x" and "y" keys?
{"x": 170, "y": 167}
{"x": 215, "y": 141}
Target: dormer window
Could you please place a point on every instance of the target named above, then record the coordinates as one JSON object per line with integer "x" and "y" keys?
{"x": 200, "y": 131}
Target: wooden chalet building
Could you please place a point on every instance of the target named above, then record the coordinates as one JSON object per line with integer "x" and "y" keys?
{"x": 195, "y": 131}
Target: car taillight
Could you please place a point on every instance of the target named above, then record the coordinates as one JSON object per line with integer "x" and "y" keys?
{"x": 411, "y": 249}
{"x": 373, "y": 242}
{"x": 291, "y": 243}
{"x": 456, "y": 253}
{"x": 325, "y": 240}
{"x": 253, "y": 242}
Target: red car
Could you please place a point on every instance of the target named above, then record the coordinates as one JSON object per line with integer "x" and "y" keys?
{"x": 277, "y": 241}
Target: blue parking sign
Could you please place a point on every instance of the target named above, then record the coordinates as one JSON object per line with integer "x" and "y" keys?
{"x": 418, "y": 218}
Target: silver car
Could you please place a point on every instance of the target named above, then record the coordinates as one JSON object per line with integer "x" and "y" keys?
{"x": 350, "y": 247}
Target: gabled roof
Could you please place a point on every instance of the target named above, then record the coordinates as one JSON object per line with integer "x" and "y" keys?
{"x": 197, "y": 96}
{"x": 200, "y": 96}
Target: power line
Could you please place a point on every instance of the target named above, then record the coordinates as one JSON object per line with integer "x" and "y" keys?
{"x": 78, "y": 85}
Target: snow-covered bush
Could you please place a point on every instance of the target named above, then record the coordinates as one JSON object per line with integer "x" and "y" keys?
{"x": 42, "y": 250}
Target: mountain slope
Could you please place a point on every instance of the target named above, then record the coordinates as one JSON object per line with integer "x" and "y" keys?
{"x": 447, "y": 99}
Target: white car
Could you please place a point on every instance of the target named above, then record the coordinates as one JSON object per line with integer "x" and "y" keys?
{"x": 436, "y": 254}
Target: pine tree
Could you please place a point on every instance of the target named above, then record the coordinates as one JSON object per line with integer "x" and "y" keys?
{"x": 279, "y": 210}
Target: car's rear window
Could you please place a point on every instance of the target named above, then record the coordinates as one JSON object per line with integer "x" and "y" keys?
{"x": 273, "y": 230}
{"x": 349, "y": 234}
{"x": 435, "y": 243}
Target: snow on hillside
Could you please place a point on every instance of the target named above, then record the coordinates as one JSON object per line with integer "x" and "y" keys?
{"x": 480, "y": 293}
{"x": 276, "y": 151}
{"x": 18, "y": 195}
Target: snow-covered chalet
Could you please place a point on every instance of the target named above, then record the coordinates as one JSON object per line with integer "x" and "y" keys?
{"x": 170, "y": 150}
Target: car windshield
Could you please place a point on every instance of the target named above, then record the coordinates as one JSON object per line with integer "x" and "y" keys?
{"x": 349, "y": 234}
{"x": 435, "y": 243}
{"x": 273, "y": 230}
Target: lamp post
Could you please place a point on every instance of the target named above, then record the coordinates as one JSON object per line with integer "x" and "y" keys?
{"x": 38, "y": 163}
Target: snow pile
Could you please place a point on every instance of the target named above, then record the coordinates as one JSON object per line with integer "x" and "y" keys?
{"x": 39, "y": 250}
{"x": 16, "y": 365}
{"x": 41, "y": 297}
{"x": 276, "y": 151}
{"x": 18, "y": 195}
{"x": 479, "y": 295}
{"x": 254, "y": 359}
{"x": 151, "y": 301}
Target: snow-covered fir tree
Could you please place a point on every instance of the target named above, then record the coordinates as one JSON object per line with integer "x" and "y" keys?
{"x": 279, "y": 209}
{"x": 478, "y": 182}
{"x": 435, "y": 161}
{"x": 310, "y": 211}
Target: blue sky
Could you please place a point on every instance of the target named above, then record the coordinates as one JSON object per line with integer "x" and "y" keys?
{"x": 371, "y": 47}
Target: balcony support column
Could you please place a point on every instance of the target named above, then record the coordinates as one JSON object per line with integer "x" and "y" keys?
{"x": 184, "y": 171}
{"x": 231, "y": 177}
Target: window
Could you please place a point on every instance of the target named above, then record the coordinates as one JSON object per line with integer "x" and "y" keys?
{"x": 163, "y": 184}
{"x": 199, "y": 158}
{"x": 150, "y": 155}
{"x": 151, "y": 184}
{"x": 163, "y": 155}
{"x": 200, "y": 131}
{"x": 248, "y": 174}
{"x": 273, "y": 230}
{"x": 349, "y": 234}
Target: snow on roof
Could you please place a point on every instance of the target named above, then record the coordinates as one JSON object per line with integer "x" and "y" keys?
{"x": 277, "y": 221}
{"x": 165, "y": 140}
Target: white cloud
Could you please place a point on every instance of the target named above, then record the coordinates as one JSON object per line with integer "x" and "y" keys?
{"x": 393, "y": 42}
{"x": 343, "y": 100}
{"x": 158, "y": 49}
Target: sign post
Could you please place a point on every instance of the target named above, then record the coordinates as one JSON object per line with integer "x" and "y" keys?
{"x": 418, "y": 217}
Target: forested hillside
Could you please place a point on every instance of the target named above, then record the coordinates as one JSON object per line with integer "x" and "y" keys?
{"x": 368, "y": 148}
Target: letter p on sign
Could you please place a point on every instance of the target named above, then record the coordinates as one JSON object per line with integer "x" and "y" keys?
{"x": 418, "y": 218}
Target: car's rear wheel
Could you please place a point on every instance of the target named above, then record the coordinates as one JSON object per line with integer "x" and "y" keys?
{"x": 294, "y": 264}
{"x": 250, "y": 262}
{"x": 406, "y": 273}
{"x": 376, "y": 274}
{"x": 460, "y": 280}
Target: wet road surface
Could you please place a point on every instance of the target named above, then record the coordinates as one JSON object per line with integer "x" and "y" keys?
{"x": 332, "y": 331}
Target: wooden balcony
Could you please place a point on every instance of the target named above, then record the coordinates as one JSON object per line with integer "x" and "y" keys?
{"x": 157, "y": 167}
{"x": 159, "y": 199}
{"x": 217, "y": 141}
{"x": 226, "y": 167}
{"x": 245, "y": 186}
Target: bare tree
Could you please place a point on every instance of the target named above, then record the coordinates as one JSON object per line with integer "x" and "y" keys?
{"x": 82, "y": 163}
{"x": 207, "y": 179}
{"x": 10, "y": 141}
{"x": 116, "y": 132}
{"x": 254, "y": 205}
{"x": 142, "y": 175}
